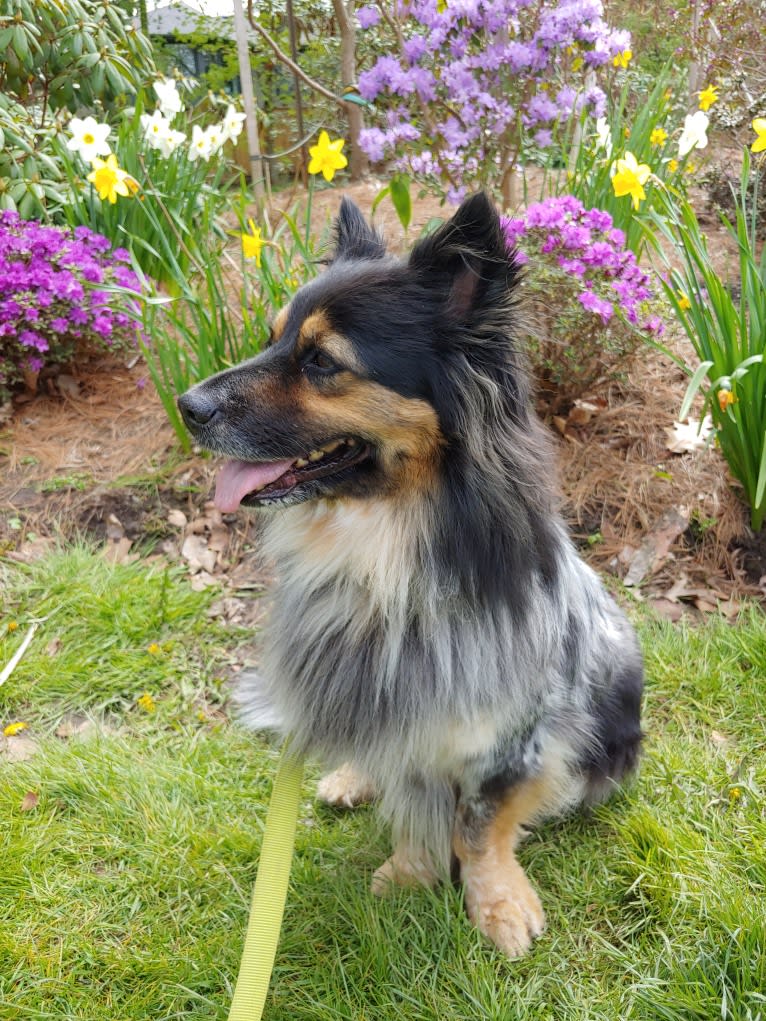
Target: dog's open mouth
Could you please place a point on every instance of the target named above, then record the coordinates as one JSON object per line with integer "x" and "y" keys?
{"x": 254, "y": 482}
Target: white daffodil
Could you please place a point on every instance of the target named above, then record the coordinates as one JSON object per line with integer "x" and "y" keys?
{"x": 155, "y": 128}
{"x": 232, "y": 124}
{"x": 168, "y": 98}
{"x": 216, "y": 137}
{"x": 604, "y": 136}
{"x": 694, "y": 134}
{"x": 89, "y": 138}
{"x": 200, "y": 147}
{"x": 159, "y": 134}
{"x": 171, "y": 141}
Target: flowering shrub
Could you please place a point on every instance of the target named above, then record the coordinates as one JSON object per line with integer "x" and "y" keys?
{"x": 53, "y": 296}
{"x": 589, "y": 295}
{"x": 474, "y": 80}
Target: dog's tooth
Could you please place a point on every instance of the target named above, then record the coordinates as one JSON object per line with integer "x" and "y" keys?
{"x": 328, "y": 449}
{"x": 316, "y": 455}
{"x": 300, "y": 463}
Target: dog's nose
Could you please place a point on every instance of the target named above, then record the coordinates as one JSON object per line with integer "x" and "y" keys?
{"x": 197, "y": 409}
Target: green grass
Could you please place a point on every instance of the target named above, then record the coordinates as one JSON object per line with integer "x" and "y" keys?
{"x": 125, "y": 891}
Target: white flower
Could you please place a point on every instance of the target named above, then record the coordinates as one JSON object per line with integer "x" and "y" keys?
{"x": 168, "y": 98}
{"x": 159, "y": 134}
{"x": 89, "y": 138}
{"x": 155, "y": 128}
{"x": 216, "y": 137}
{"x": 171, "y": 141}
{"x": 232, "y": 124}
{"x": 604, "y": 136}
{"x": 201, "y": 145}
{"x": 694, "y": 134}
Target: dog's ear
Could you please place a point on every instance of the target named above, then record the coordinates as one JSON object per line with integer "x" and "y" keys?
{"x": 469, "y": 255}
{"x": 354, "y": 237}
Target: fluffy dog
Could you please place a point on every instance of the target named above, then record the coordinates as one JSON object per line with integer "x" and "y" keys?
{"x": 433, "y": 627}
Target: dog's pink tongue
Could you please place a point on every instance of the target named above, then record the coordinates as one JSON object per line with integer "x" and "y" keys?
{"x": 238, "y": 478}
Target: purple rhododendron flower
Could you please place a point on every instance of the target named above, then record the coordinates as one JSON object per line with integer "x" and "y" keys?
{"x": 47, "y": 302}
{"x": 586, "y": 247}
{"x": 368, "y": 16}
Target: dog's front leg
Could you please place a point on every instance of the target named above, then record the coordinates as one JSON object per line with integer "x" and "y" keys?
{"x": 499, "y": 898}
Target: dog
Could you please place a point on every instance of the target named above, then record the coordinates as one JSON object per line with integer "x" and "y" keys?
{"x": 434, "y": 635}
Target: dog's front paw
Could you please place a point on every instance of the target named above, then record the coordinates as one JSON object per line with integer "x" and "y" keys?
{"x": 345, "y": 788}
{"x": 403, "y": 869}
{"x": 510, "y": 913}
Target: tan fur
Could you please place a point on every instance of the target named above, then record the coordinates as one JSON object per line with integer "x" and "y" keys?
{"x": 345, "y": 788}
{"x": 499, "y": 898}
{"x": 404, "y": 868}
{"x": 313, "y": 329}
{"x": 405, "y": 430}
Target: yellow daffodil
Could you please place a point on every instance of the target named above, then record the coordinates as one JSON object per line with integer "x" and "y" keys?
{"x": 683, "y": 301}
{"x": 146, "y": 702}
{"x": 109, "y": 180}
{"x": 725, "y": 398}
{"x": 252, "y": 244}
{"x": 658, "y": 137}
{"x": 708, "y": 96}
{"x": 673, "y": 166}
{"x": 14, "y": 728}
{"x": 622, "y": 59}
{"x": 630, "y": 178}
{"x": 690, "y": 168}
{"x": 327, "y": 157}
{"x": 759, "y": 127}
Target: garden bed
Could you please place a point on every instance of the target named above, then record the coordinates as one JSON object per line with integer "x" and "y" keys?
{"x": 93, "y": 455}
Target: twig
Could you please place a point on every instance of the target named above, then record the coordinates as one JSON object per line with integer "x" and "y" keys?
{"x": 15, "y": 659}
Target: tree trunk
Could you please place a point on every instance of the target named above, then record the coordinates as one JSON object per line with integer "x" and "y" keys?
{"x": 359, "y": 165}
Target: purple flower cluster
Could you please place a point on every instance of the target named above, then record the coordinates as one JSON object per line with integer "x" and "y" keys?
{"x": 51, "y": 296}
{"x": 586, "y": 246}
{"x": 485, "y": 69}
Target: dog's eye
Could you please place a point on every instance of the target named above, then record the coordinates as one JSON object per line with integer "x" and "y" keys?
{"x": 317, "y": 359}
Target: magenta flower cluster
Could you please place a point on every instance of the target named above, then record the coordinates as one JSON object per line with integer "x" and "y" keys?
{"x": 488, "y": 73}
{"x": 52, "y": 296}
{"x": 586, "y": 246}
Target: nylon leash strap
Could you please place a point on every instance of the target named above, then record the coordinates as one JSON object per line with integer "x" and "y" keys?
{"x": 269, "y": 893}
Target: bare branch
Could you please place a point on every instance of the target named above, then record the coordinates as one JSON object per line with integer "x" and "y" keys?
{"x": 283, "y": 57}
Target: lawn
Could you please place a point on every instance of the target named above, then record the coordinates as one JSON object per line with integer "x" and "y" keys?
{"x": 131, "y": 828}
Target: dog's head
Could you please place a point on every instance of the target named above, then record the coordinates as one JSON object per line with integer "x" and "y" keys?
{"x": 356, "y": 393}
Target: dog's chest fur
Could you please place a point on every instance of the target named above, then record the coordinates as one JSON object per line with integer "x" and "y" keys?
{"x": 368, "y": 659}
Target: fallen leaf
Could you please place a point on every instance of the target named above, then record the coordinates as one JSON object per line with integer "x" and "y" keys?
{"x": 114, "y": 529}
{"x": 67, "y": 386}
{"x": 202, "y": 580}
{"x": 177, "y": 518}
{"x": 195, "y": 551}
{"x": 656, "y": 544}
{"x": 29, "y": 802}
{"x": 683, "y": 438}
{"x": 118, "y": 552}
{"x": 669, "y": 610}
{"x": 54, "y": 646}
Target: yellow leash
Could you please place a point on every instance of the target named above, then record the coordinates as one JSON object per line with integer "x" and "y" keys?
{"x": 270, "y": 892}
